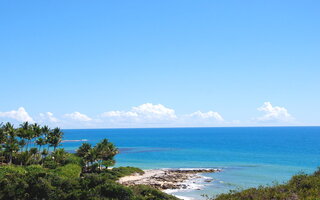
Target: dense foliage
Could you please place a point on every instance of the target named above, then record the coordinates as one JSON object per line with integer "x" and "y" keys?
{"x": 30, "y": 171}
{"x": 94, "y": 158}
{"x": 300, "y": 187}
{"x": 65, "y": 182}
{"x": 29, "y": 144}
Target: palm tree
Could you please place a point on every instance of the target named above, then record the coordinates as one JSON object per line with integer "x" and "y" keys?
{"x": 59, "y": 156}
{"x": 11, "y": 145}
{"x": 2, "y": 140}
{"x": 92, "y": 156}
{"x": 44, "y": 152}
{"x": 22, "y": 143}
{"x": 56, "y": 138}
{"x": 25, "y": 132}
{"x": 106, "y": 152}
{"x": 83, "y": 152}
{"x": 37, "y": 131}
{"x": 34, "y": 156}
{"x": 46, "y": 131}
{"x": 2, "y": 134}
{"x": 34, "y": 132}
{"x": 40, "y": 142}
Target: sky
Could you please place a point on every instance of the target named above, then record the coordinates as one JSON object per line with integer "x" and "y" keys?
{"x": 169, "y": 63}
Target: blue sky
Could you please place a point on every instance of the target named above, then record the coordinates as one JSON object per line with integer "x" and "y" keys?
{"x": 160, "y": 63}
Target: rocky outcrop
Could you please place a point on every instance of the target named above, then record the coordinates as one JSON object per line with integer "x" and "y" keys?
{"x": 165, "y": 178}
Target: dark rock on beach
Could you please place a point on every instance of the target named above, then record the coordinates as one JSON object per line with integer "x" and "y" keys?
{"x": 164, "y": 179}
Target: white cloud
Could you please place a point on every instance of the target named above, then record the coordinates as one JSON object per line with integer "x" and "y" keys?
{"x": 158, "y": 115}
{"x": 208, "y": 115}
{"x": 48, "y": 116}
{"x": 119, "y": 114}
{"x": 20, "y": 115}
{"x": 78, "y": 116}
{"x": 274, "y": 113}
{"x": 145, "y": 112}
{"x": 150, "y": 111}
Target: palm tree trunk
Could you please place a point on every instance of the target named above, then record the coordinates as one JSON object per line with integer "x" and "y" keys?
{"x": 10, "y": 159}
{"x": 27, "y": 147}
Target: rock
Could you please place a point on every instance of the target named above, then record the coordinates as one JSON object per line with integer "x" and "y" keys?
{"x": 167, "y": 179}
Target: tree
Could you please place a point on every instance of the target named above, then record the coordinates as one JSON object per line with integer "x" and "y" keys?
{"x": 40, "y": 142}
{"x": 59, "y": 156}
{"x": 11, "y": 145}
{"x": 25, "y": 133}
{"x": 83, "y": 152}
{"x": 106, "y": 152}
{"x": 57, "y": 138}
{"x": 2, "y": 134}
{"x": 2, "y": 140}
{"x": 36, "y": 129}
{"x": 54, "y": 138}
{"x": 44, "y": 154}
{"x": 45, "y": 131}
{"x": 102, "y": 154}
{"x": 22, "y": 143}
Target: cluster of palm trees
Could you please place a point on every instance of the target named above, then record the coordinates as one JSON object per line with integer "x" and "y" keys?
{"x": 27, "y": 144}
{"x": 97, "y": 157}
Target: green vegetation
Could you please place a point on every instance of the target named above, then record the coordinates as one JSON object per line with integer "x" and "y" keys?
{"x": 25, "y": 145}
{"x": 301, "y": 186}
{"x": 97, "y": 157}
{"x": 30, "y": 171}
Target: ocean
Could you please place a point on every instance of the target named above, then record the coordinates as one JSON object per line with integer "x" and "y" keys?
{"x": 249, "y": 156}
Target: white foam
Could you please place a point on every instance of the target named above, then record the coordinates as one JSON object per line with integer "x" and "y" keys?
{"x": 82, "y": 140}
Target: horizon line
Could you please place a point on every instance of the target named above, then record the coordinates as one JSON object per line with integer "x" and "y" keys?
{"x": 192, "y": 127}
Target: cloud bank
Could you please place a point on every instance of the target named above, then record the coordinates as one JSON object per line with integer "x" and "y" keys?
{"x": 146, "y": 115}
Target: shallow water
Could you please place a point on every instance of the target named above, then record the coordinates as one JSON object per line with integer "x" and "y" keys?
{"x": 249, "y": 156}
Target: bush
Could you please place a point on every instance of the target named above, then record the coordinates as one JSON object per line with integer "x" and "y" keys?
{"x": 126, "y": 171}
{"x": 145, "y": 192}
{"x": 301, "y": 186}
{"x": 11, "y": 169}
{"x": 50, "y": 164}
{"x": 68, "y": 171}
{"x": 114, "y": 191}
{"x": 73, "y": 159}
{"x": 116, "y": 173}
{"x": 13, "y": 186}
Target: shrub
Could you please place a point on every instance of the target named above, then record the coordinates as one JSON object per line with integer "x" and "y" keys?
{"x": 145, "y": 192}
{"x": 116, "y": 173}
{"x": 49, "y": 163}
{"x": 73, "y": 159}
{"x": 114, "y": 191}
{"x": 11, "y": 169}
{"x": 69, "y": 171}
{"x": 301, "y": 186}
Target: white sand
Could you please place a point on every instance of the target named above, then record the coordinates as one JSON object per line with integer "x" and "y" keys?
{"x": 142, "y": 178}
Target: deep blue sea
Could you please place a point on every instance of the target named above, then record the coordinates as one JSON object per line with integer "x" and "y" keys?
{"x": 249, "y": 156}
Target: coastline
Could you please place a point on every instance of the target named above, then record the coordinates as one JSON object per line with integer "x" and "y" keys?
{"x": 170, "y": 180}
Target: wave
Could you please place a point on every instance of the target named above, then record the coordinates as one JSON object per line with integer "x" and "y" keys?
{"x": 82, "y": 140}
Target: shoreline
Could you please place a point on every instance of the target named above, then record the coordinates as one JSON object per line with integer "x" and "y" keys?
{"x": 169, "y": 180}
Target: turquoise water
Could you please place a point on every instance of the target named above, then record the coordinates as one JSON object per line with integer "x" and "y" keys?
{"x": 249, "y": 156}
